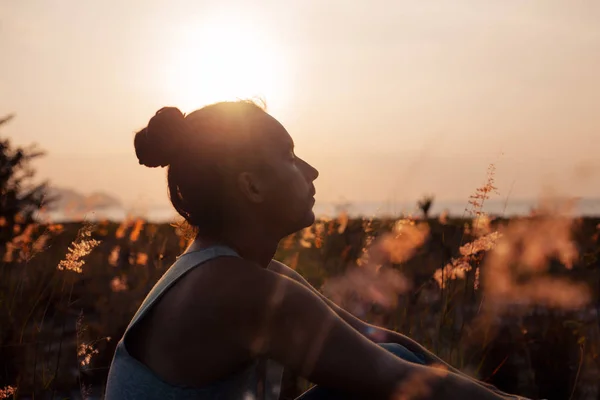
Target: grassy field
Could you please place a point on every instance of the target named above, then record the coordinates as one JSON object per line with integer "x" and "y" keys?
{"x": 514, "y": 302}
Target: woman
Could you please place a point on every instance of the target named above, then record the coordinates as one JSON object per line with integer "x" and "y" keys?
{"x": 225, "y": 319}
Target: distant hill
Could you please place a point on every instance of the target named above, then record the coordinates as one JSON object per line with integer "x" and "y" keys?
{"x": 73, "y": 201}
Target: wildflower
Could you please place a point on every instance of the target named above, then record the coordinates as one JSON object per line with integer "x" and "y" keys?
{"x": 85, "y": 352}
{"x": 484, "y": 243}
{"x": 477, "y": 200}
{"x": 23, "y": 243}
{"x": 373, "y": 281}
{"x": 307, "y": 236}
{"x": 8, "y": 252}
{"x": 55, "y": 228}
{"x": 530, "y": 244}
{"x": 118, "y": 284}
{"x": 142, "y": 259}
{"x": 122, "y": 228}
{"x": 319, "y": 233}
{"x": 369, "y": 238}
{"x": 456, "y": 269}
{"x": 113, "y": 258}
{"x": 375, "y": 284}
{"x": 137, "y": 228}
{"x": 482, "y": 225}
{"x": 80, "y": 248}
{"x": 330, "y": 228}
{"x": 367, "y": 225}
{"x": 403, "y": 242}
{"x": 343, "y": 221}
{"x": 304, "y": 243}
{"x": 19, "y": 218}
{"x": 40, "y": 243}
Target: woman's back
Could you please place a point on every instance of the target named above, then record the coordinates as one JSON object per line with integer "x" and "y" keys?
{"x": 162, "y": 356}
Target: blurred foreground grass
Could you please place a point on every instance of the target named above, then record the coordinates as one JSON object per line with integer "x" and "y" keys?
{"x": 514, "y": 302}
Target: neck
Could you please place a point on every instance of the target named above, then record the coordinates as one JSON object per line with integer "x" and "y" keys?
{"x": 257, "y": 247}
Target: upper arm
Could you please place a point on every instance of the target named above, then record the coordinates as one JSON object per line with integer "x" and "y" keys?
{"x": 283, "y": 269}
{"x": 275, "y": 316}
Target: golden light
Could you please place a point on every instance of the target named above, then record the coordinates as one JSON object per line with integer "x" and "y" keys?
{"x": 225, "y": 58}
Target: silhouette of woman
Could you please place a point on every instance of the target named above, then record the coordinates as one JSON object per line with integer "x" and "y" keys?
{"x": 225, "y": 319}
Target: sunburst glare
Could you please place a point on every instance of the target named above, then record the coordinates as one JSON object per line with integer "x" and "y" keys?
{"x": 225, "y": 58}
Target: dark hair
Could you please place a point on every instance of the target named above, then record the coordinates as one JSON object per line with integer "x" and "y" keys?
{"x": 199, "y": 150}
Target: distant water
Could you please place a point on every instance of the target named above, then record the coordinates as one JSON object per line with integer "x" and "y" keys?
{"x": 585, "y": 207}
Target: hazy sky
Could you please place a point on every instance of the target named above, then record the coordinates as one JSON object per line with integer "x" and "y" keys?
{"x": 389, "y": 99}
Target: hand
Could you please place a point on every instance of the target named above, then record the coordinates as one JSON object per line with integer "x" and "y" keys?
{"x": 429, "y": 383}
{"x": 431, "y": 359}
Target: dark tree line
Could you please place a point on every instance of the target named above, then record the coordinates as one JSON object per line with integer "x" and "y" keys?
{"x": 20, "y": 197}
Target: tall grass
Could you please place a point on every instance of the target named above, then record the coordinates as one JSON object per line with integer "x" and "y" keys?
{"x": 513, "y": 302}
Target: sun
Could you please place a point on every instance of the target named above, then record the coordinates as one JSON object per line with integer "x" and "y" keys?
{"x": 224, "y": 58}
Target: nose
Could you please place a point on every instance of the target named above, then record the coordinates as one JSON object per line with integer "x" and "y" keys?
{"x": 310, "y": 172}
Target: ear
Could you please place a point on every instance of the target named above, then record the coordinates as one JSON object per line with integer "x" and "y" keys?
{"x": 251, "y": 187}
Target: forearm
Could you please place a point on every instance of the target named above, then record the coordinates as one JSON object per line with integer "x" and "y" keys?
{"x": 430, "y": 358}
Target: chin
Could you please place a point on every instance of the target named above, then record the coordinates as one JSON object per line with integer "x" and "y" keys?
{"x": 310, "y": 219}
{"x": 303, "y": 222}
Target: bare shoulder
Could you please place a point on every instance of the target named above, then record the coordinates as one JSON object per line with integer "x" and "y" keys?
{"x": 230, "y": 286}
{"x": 279, "y": 267}
{"x": 224, "y": 276}
{"x": 282, "y": 269}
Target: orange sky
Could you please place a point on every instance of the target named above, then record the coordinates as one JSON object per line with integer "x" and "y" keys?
{"x": 389, "y": 99}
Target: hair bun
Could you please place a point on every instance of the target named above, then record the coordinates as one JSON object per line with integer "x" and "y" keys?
{"x": 157, "y": 144}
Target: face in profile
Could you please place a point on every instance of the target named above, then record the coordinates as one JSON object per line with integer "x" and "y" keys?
{"x": 286, "y": 180}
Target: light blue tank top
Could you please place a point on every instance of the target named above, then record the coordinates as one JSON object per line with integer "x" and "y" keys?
{"x": 129, "y": 379}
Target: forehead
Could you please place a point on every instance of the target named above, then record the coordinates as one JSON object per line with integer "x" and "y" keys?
{"x": 274, "y": 134}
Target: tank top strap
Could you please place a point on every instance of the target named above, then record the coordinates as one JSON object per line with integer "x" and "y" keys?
{"x": 183, "y": 264}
